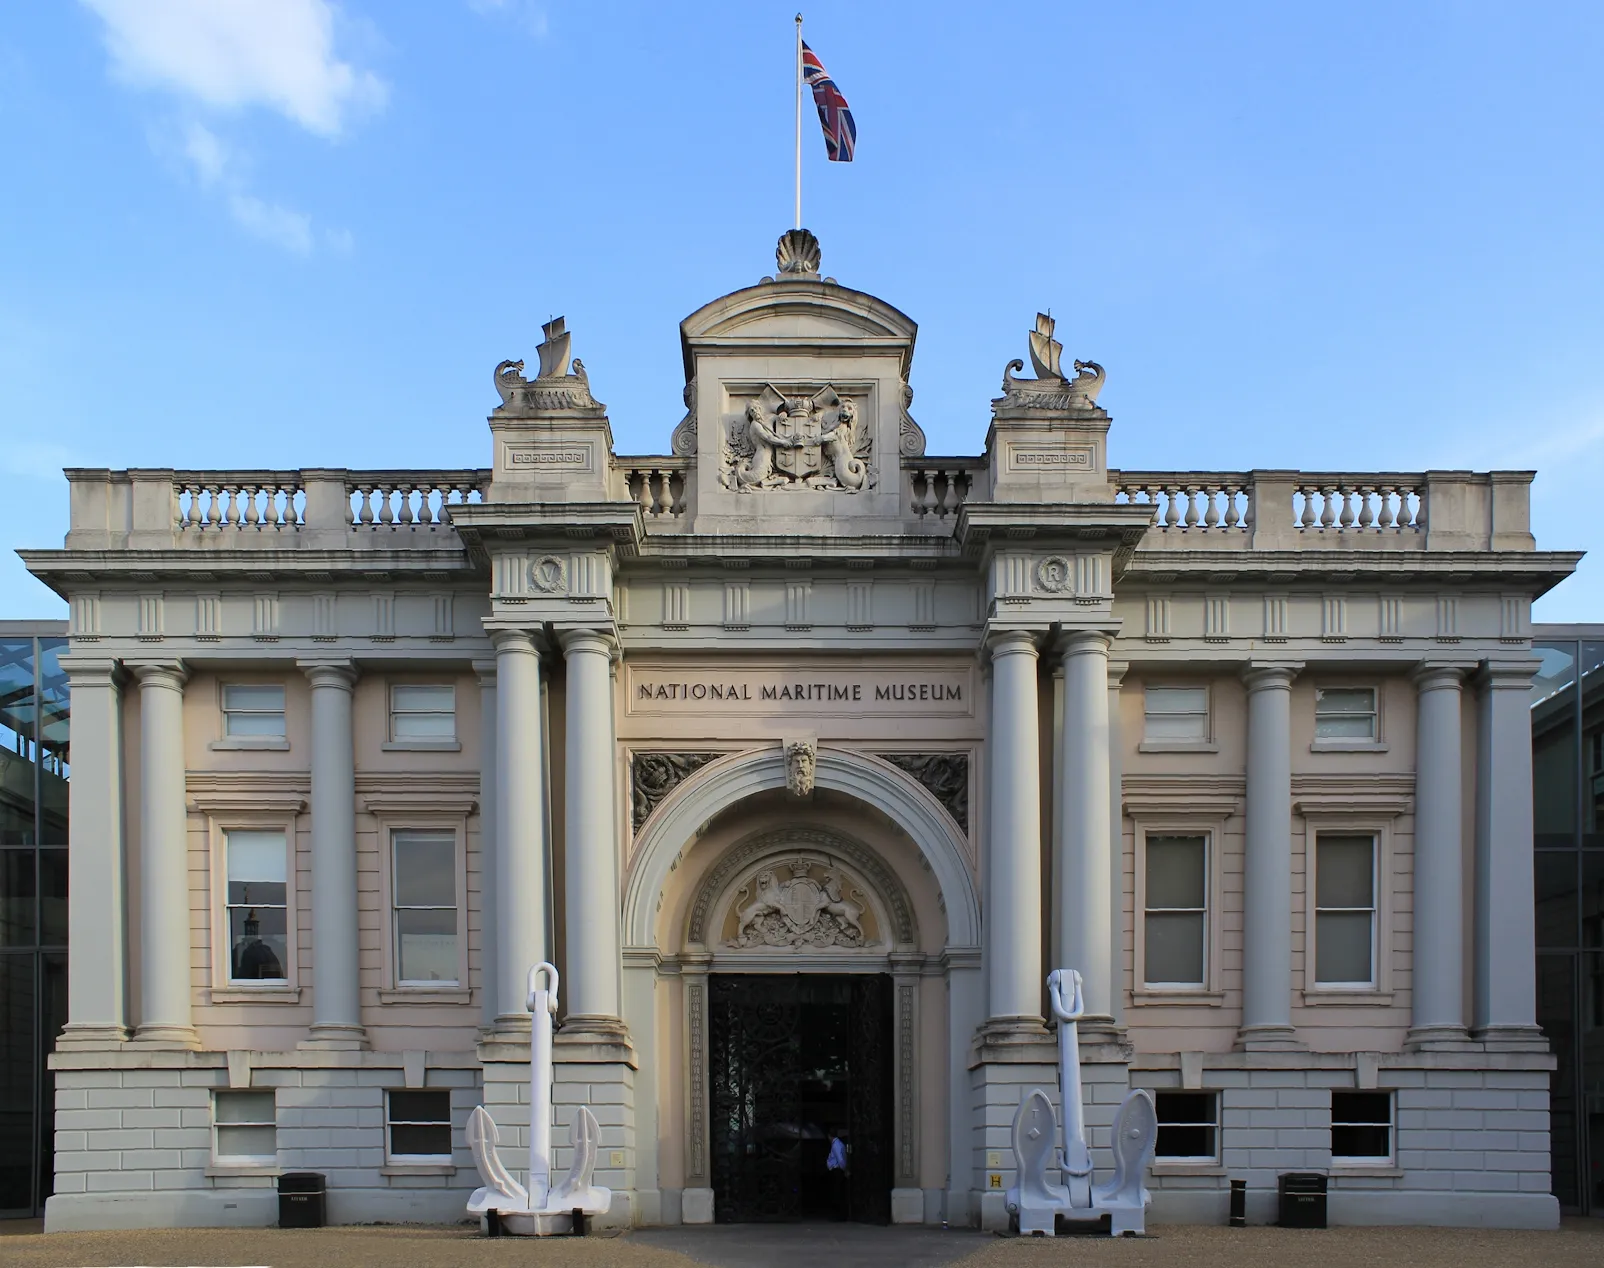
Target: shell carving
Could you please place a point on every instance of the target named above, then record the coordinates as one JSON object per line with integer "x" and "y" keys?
{"x": 797, "y": 252}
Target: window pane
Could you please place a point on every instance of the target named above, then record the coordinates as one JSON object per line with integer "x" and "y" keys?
{"x": 1345, "y": 700}
{"x": 1184, "y": 1107}
{"x": 1345, "y": 727}
{"x": 1344, "y": 874}
{"x": 257, "y": 856}
{"x": 259, "y": 945}
{"x": 53, "y": 898}
{"x": 411, "y": 1140}
{"x": 420, "y": 1107}
{"x": 244, "y": 1107}
{"x": 246, "y": 1142}
{"x": 255, "y": 724}
{"x": 1361, "y": 1142}
{"x": 425, "y": 726}
{"x": 1554, "y": 744}
{"x": 1175, "y": 872}
{"x": 1361, "y": 1107}
{"x": 1342, "y": 946}
{"x": 17, "y": 889}
{"x": 1557, "y": 897}
{"x": 426, "y": 942}
{"x": 1184, "y": 1142}
{"x": 425, "y": 870}
{"x": 1178, "y": 727}
{"x": 429, "y": 698}
{"x": 258, "y": 698}
{"x": 1175, "y": 948}
{"x": 1177, "y": 700}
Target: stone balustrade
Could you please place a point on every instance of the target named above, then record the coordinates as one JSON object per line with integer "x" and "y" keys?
{"x": 1191, "y": 502}
{"x": 937, "y": 487}
{"x": 659, "y": 486}
{"x": 1379, "y": 503}
{"x": 410, "y": 499}
{"x": 248, "y": 501}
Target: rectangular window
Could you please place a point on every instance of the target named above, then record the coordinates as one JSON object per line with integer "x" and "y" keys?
{"x": 253, "y": 711}
{"x": 1361, "y": 1127}
{"x": 1177, "y": 715}
{"x": 1188, "y": 1126}
{"x": 243, "y": 1128}
{"x": 423, "y": 884}
{"x": 418, "y": 1126}
{"x": 1176, "y": 910}
{"x": 423, "y": 712}
{"x": 257, "y": 901}
{"x": 1345, "y": 910}
{"x": 1345, "y": 713}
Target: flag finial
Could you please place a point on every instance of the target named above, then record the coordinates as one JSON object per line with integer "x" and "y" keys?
{"x": 797, "y": 253}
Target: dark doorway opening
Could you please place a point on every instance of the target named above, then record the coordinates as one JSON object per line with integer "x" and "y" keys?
{"x": 793, "y": 1059}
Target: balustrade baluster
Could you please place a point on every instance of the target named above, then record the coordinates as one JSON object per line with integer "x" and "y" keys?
{"x": 1306, "y": 519}
{"x": 232, "y": 514}
{"x": 1385, "y": 516}
{"x": 928, "y": 503}
{"x": 366, "y": 517}
{"x": 1173, "y": 493}
{"x": 251, "y": 519}
{"x": 1328, "y": 502}
{"x": 1346, "y": 493}
{"x": 404, "y": 514}
{"x": 386, "y": 510}
{"x": 1211, "y": 513}
{"x": 270, "y": 515}
{"x": 1231, "y": 514}
{"x": 1366, "y": 515}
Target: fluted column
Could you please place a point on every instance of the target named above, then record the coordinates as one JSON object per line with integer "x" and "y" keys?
{"x": 1267, "y": 868}
{"x": 520, "y": 826}
{"x": 486, "y": 673}
{"x": 590, "y": 839}
{"x": 1506, "y": 962}
{"x": 165, "y": 1016}
{"x": 1084, "y": 868}
{"x": 96, "y": 926}
{"x": 336, "y": 997}
{"x": 1013, "y": 905}
{"x": 1439, "y": 937}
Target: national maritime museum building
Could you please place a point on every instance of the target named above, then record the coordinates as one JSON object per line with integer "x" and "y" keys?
{"x": 804, "y": 754}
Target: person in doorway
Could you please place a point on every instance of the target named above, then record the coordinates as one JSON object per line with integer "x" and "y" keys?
{"x": 836, "y": 1165}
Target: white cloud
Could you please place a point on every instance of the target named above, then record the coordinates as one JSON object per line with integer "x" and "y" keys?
{"x": 291, "y": 230}
{"x": 218, "y": 167}
{"x": 230, "y": 54}
{"x": 526, "y": 13}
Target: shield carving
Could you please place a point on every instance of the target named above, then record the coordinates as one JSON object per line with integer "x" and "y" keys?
{"x": 797, "y": 420}
{"x": 800, "y": 903}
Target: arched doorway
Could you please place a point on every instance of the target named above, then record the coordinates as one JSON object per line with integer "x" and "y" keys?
{"x": 700, "y": 912}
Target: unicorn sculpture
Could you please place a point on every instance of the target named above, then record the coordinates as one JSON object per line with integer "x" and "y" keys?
{"x": 1039, "y": 1202}
{"x": 540, "y": 1209}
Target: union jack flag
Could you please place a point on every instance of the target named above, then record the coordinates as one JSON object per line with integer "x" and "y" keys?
{"x": 835, "y": 117}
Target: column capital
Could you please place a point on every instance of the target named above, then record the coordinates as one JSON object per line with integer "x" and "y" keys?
{"x": 1117, "y": 669}
{"x": 1012, "y": 643}
{"x": 1439, "y": 675}
{"x": 514, "y": 642}
{"x": 1084, "y": 643}
{"x": 172, "y": 674}
{"x": 599, "y": 642}
{"x": 106, "y": 671}
{"x": 1514, "y": 674}
{"x": 1264, "y": 675}
{"x": 340, "y": 673}
{"x": 484, "y": 669}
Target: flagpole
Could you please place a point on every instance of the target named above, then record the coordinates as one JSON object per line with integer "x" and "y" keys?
{"x": 799, "y": 121}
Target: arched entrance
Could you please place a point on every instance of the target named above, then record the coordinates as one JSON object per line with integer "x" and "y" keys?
{"x": 867, "y": 892}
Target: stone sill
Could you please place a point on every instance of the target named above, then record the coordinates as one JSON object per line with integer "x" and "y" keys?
{"x": 1360, "y": 997}
{"x": 1177, "y": 746}
{"x": 421, "y": 746}
{"x": 255, "y": 995}
{"x": 259, "y": 743}
{"x": 425, "y": 995}
{"x": 1166, "y": 999}
{"x": 1476, "y": 1059}
{"x": 418, "y": 1169}
{"x": 1349, "y": 746}
{"x": 1179, "y": 1168}
{"x": 218, "y": 1170}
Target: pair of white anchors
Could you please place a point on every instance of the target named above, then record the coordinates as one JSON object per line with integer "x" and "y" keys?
{"x": 541, "y": 1209}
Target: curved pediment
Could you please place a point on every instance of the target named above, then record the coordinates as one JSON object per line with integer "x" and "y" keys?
{"x": 793, "y": 312}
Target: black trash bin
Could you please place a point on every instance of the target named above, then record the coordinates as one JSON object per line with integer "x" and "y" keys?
{"x": 1303, "y": 1200}
{"x": 302, "y": 1200}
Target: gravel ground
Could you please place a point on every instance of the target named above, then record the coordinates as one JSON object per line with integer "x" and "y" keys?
{"x": 1580, "y": 1244}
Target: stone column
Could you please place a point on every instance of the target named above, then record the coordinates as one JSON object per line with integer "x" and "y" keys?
{"x": 165, "y": 1017}
{"x": 1084, "y": 867}
{"x": 486, "y": 672}
{"x": 1116, "y": 841}
{"x": 590, "y": 838}
{"x": 696, "y": 1200}
{"x": 96, "y": 926}
{"x": 1267, "y": 868}
{"x": 520, "y": 826}
{"x": 1439, "y": 939}
{"x": 336, "y": 997}
{"x": 1013, "y": 905}
{"x": 1506, "y": 964}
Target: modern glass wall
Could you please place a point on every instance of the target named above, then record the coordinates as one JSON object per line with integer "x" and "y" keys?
{"x": 1568, "y": 817}
{"x": 34, "y": 766}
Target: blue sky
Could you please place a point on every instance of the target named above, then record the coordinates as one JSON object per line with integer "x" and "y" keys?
{"x": 283, "y": 233}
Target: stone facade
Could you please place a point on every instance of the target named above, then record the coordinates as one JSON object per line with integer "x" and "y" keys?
{"x": 1250, "y": 750}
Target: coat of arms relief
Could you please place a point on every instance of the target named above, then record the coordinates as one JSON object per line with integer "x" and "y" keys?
{"x": 812, "y": 441}
{"x": 802, "y": 902}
